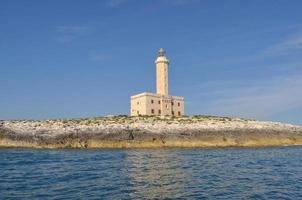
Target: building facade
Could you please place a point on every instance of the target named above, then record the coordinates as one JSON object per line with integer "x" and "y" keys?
{"x": 160, "y": 103}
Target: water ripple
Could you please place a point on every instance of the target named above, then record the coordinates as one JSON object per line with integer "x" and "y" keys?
{"x": 234, "y": 173}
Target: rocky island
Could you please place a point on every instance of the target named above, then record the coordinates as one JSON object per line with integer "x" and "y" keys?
{"x": 147, "y": 131}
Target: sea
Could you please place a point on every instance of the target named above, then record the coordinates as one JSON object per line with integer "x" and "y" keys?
{"x": 154, "y": 173}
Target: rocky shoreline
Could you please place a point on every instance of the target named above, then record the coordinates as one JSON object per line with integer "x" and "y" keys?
{"x": 145, "y": 132}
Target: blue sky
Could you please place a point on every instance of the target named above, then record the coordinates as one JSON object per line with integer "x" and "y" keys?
{"x": 66, "y": 58}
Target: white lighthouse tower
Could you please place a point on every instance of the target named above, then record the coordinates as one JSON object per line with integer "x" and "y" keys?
{"x": 162, "y": 67}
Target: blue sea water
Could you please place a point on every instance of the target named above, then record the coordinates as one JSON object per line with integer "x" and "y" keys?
{"x": 218, "y": 173}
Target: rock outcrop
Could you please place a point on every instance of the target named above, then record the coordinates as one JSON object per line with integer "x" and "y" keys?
{"x": 124, "y": 131}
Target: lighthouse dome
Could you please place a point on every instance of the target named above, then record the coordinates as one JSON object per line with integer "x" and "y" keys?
{"x": 161, "y": 56}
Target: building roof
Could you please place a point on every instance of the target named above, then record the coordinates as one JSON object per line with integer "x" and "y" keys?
{"x": 156, "y": 96}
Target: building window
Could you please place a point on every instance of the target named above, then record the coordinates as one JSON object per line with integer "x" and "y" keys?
{"x": 137, "y": 103}
{"x": 158, "y": 102}
{"x": 172, "y": 112}
{"x": 179, "y": 113}
{"x": 178, "y": 104}
{"x": 137, "y": 112}
{"x": 152, "y": 111}
{"x": 159, "y": 111}
{"x": 166, "y": 106}
{"x": 152, "y": 101}
{"x": 172, "y": 103}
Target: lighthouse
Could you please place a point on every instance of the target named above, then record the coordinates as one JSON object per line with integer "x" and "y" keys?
{"x": 159, "y": 103}
{"x": 162, "y": 67}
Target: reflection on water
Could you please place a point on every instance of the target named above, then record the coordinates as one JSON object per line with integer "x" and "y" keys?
{"x": 156, "y": 174}
{"x": 234, "y": 173}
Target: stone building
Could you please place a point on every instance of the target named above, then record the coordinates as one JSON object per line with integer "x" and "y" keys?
{"x": 160, "y": 103}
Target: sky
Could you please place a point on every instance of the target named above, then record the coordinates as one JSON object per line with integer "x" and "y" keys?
{"x": 69, "y": 59}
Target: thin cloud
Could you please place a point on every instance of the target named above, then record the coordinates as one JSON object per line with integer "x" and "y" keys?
{"x": 100, "y": 57}
{"x": 115, "y": 3}
{"x": 263, "y": 99}
{"x": 259, "y": 98}
{"x": 181, "y": 2}
{"x": 70, "y": 33}
{"x": 288, "y": 46}
{"x": 291, "y": 44}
